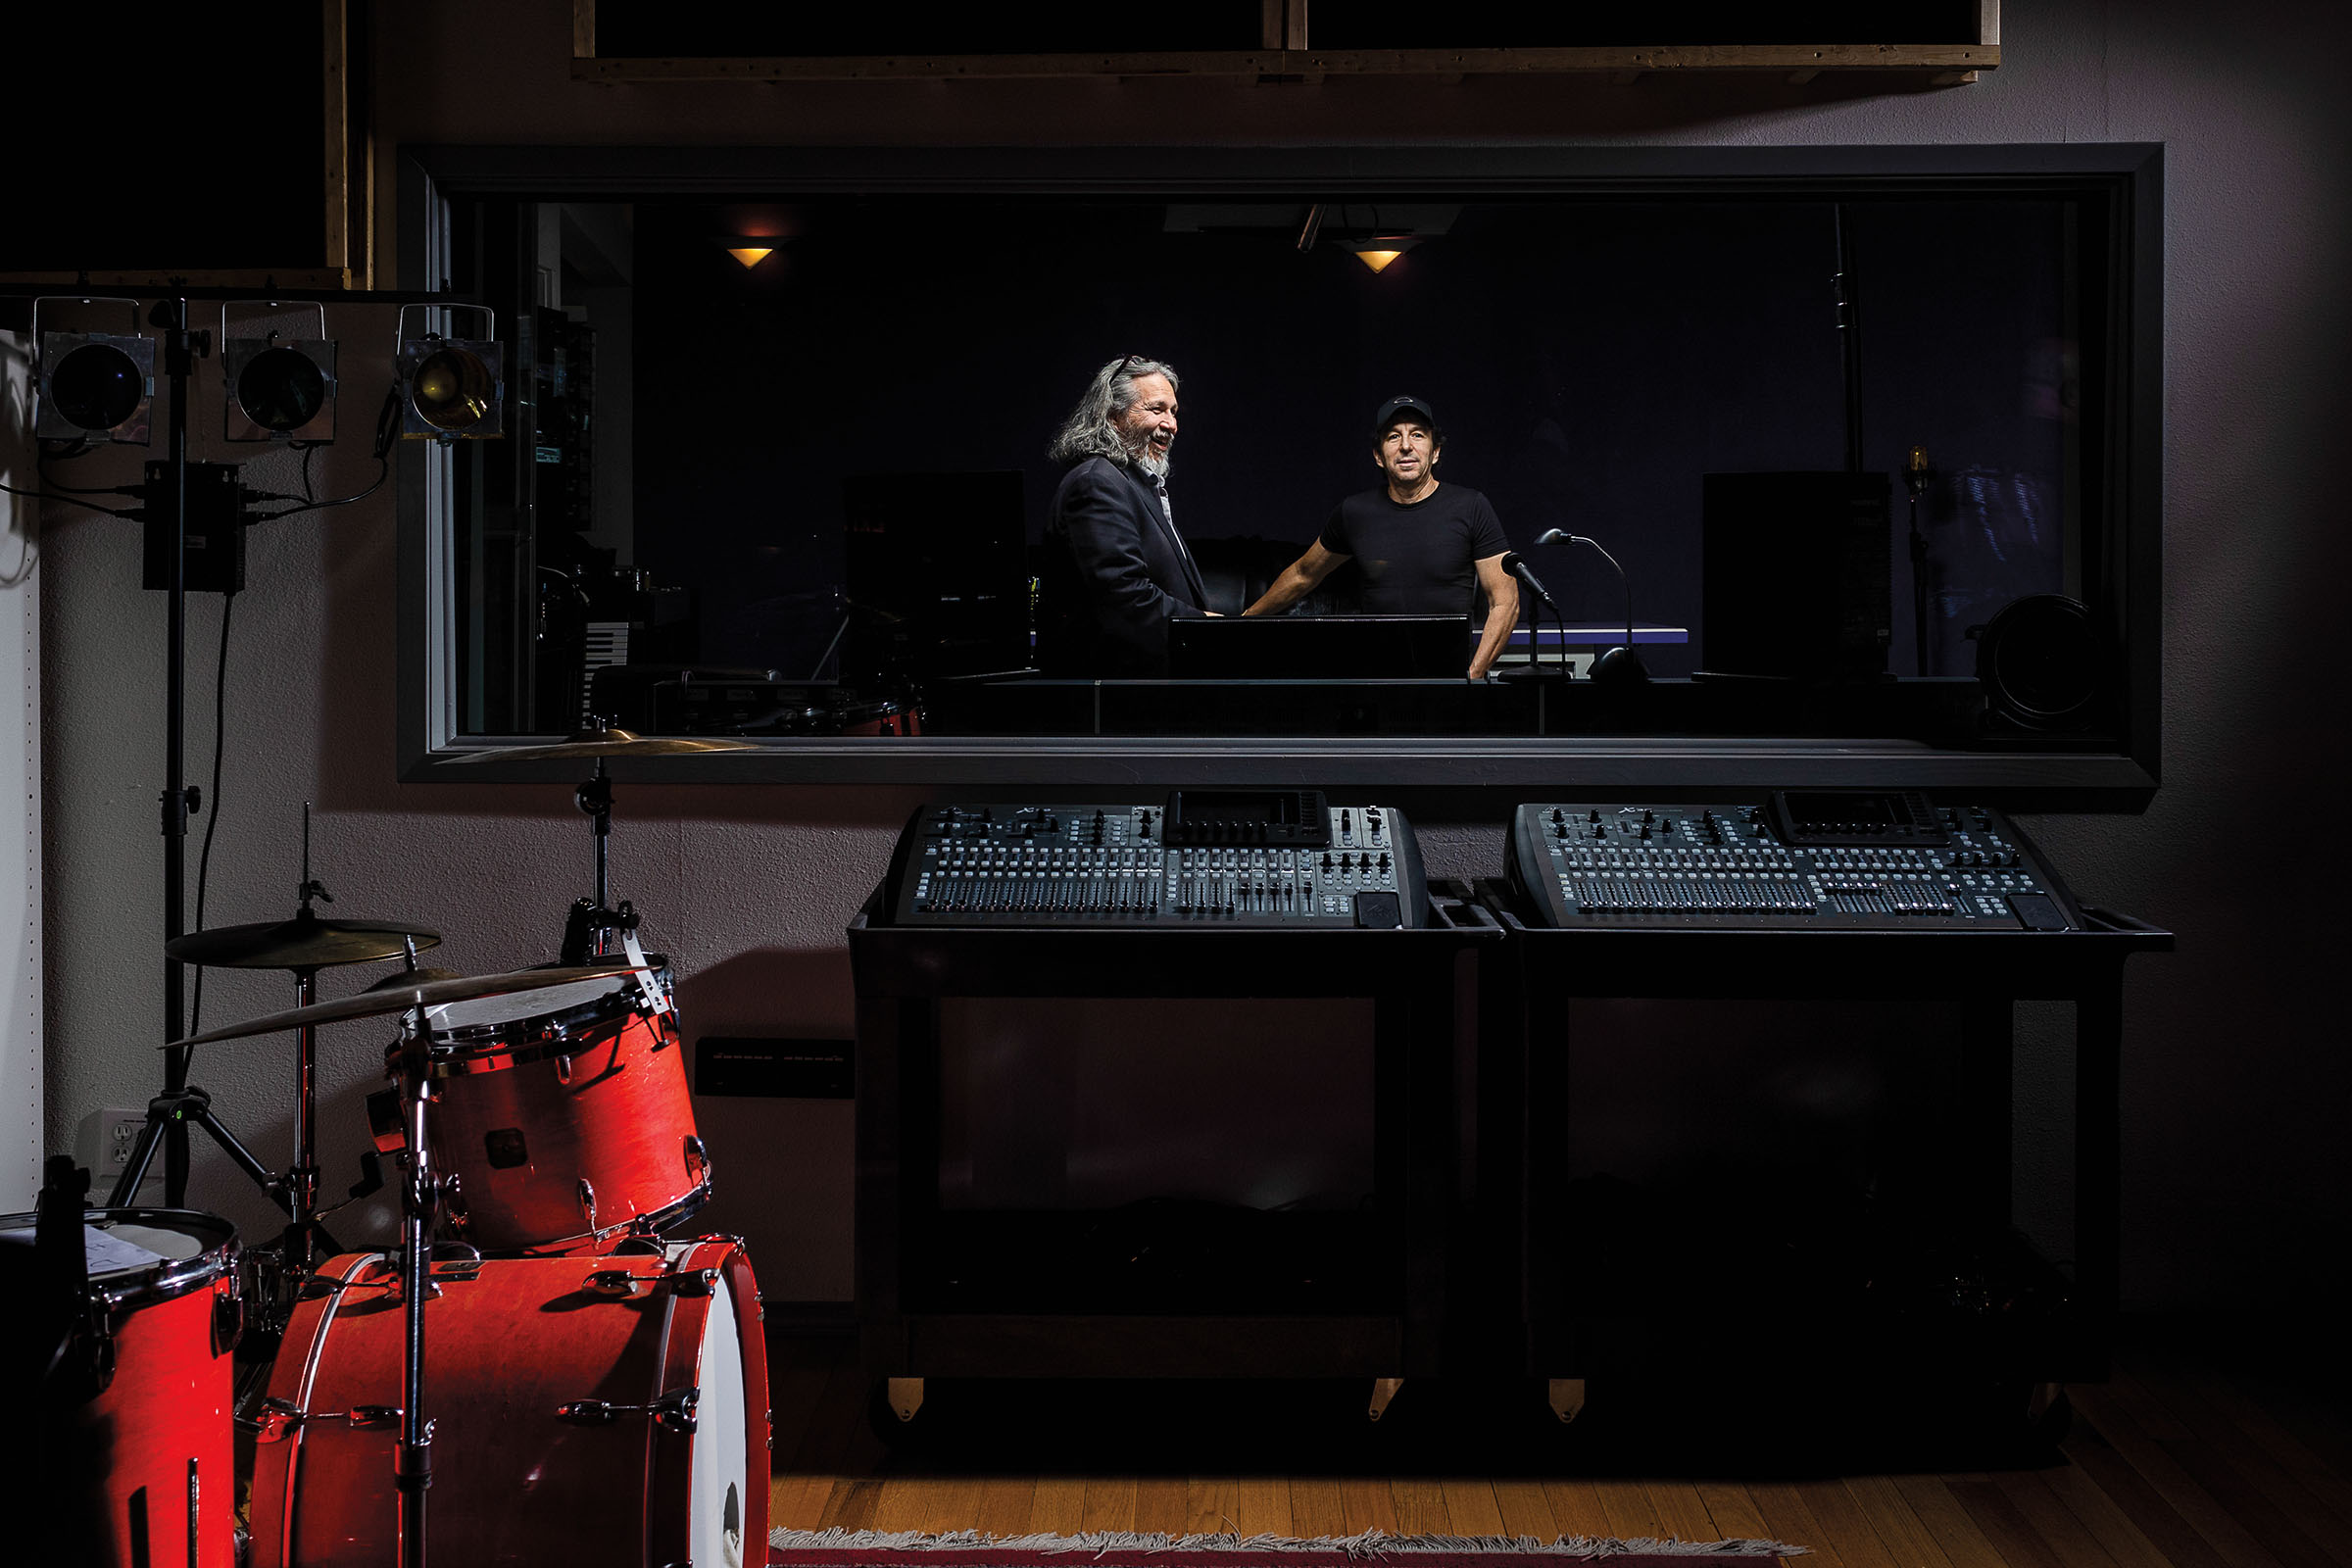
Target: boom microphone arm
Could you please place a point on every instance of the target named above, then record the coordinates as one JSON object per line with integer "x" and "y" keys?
{"x": 1620, "y": 664}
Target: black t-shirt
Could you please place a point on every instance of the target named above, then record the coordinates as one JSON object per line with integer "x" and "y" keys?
{"x": 1417, "y": 559}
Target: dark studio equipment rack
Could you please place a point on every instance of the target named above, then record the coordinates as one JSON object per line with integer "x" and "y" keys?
{"x": 1964, "y": 1293}
{"x": 1378, "y": 1313}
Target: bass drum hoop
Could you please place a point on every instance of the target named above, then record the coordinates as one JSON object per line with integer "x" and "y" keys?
{"x": 670, "y": 1524}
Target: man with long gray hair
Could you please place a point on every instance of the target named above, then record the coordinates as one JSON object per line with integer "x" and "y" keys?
{"x": 1115, "y": 570}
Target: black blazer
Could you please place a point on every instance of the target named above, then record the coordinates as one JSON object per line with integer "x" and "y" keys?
{"x": 1110, "y": 577}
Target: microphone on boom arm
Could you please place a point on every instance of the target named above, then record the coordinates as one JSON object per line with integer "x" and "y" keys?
{"x": 1516, "y": 565}
{"x": 1622, "y": 666}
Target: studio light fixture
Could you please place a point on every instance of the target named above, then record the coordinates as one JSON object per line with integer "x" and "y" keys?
{"x": 1377, "y": 251}
{"x": 279, "y": 388}
{"x": 451, "y": 389}
{"x": 92, "y": 384}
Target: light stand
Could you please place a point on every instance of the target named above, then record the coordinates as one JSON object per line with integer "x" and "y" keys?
{"x": 168, "y": 1113}
{"x": 179, "y": 355}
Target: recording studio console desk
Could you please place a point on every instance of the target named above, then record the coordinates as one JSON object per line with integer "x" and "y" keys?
{"x": 1807, "y": 895}
{"x": 1154, "y": 907}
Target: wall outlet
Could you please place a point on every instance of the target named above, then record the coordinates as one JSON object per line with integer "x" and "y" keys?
{"x": 109, "y": 1136}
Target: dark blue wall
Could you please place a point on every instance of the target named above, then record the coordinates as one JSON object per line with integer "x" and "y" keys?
{"x": 1590, "y": 362}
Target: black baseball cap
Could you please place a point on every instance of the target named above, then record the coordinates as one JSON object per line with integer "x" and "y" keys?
{"x": 1399, "y": 405}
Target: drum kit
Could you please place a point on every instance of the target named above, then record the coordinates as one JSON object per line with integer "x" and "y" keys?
{"x": 599, "y": 1388}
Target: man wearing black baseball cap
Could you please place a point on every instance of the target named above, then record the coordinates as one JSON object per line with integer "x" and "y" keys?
{"x": 1425, "y": 548}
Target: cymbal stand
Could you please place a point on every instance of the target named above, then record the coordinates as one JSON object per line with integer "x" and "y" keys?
{"x": 421, "y": 1202}
{"x": 595, "y": 797}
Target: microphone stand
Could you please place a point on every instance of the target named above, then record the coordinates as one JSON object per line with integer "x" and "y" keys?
{"x": 1618, "y": 664}
{"x": 1916, "y": 475}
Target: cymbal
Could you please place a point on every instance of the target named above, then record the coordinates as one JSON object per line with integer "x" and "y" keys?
{"x": 609, "y": 743}
{"x": 305, "y": 942}
{"x": 402, "y": 999}
{"x": 413, "y": 977}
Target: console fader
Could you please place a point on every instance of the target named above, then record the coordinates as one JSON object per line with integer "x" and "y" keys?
{"x": 1281, "y": 858}
{"x": 1800, "y": 859}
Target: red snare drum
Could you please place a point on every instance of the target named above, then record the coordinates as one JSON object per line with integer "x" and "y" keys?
{"x": 564, "y": 1116}
{"x": 158, "y": 1443}
{"x": 586, "y": 1411}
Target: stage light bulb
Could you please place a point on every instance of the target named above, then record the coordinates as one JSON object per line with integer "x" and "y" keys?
{"x": 750, "y": 255}
{"x": 451, "y": 390}
{"x": 97, "y": 386}
{"x": 281, "y": 389}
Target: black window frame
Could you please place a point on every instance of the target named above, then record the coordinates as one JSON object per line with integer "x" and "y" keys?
{"x": 1455, "y": 775}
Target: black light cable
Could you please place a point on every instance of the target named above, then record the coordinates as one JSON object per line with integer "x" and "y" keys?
{"x": 387, "y": 431}
{"x": 86, "y": 505}
{"x": 204, "y": 857}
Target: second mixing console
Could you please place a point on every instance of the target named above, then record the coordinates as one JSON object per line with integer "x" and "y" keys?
{"x": 1798, "y": 859}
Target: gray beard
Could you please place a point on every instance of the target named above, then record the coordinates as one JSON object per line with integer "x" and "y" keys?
{"x": 1152, "y": 463}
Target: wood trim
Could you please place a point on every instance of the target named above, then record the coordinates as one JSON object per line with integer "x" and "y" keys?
{"x": 163, "y": 280}
{"x": 1988, "y": 23}
{"x": 334, "y": 25}
{"x": 1270, "y": 23}
{"x": 583, "y": 29}
{"x": 1294, "y": 30}
{"x": 1945, "y": 60}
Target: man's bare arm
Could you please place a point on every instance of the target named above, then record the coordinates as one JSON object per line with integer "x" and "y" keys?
{"x": 1502, "y": 614}
{"x": 1298, "y": 579}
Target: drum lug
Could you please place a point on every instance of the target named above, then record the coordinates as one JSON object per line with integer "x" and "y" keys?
{"x": 674, "y": 1412}
{"x": 616, "y": 1283}
{"x": 228, "y": 1321}
{"x": 563, "y": 1070}
{"x": 693, "y": 1281}
{"x": 698, "y": 1158}
{"x": 279, "y": 1418}
{"x": 587, "y": 1197}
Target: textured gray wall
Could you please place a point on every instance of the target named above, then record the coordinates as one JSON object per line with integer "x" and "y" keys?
{"x": 2235, "y": 1077}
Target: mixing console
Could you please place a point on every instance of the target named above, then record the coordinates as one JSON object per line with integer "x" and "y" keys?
{"x": 1278, "y": 859}
{"x": 1802, "y": 859}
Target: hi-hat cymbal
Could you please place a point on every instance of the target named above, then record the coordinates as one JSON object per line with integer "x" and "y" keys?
{"x": 402, "y": 999}
{"x": 305, "y": 942}
{"x": 613, "y": 742}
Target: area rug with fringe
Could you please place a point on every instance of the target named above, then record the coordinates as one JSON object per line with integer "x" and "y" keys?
{"x": 968, "y": 1548}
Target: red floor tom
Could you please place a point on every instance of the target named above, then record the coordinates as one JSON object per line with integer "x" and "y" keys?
{"x": 156, "y": 1448}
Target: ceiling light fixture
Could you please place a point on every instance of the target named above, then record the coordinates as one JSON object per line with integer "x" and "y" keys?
{"x": 750, "y": 255}
{"x": 1379, "y": 250}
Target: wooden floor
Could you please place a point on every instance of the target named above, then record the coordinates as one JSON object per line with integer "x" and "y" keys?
{"x": 2184, "y": 1458}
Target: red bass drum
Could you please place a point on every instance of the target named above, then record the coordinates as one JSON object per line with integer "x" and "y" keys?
{"x": 156, "y": 1445}
{"x": 565, "y": 1116}
{"x": 586, "y": 1411}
